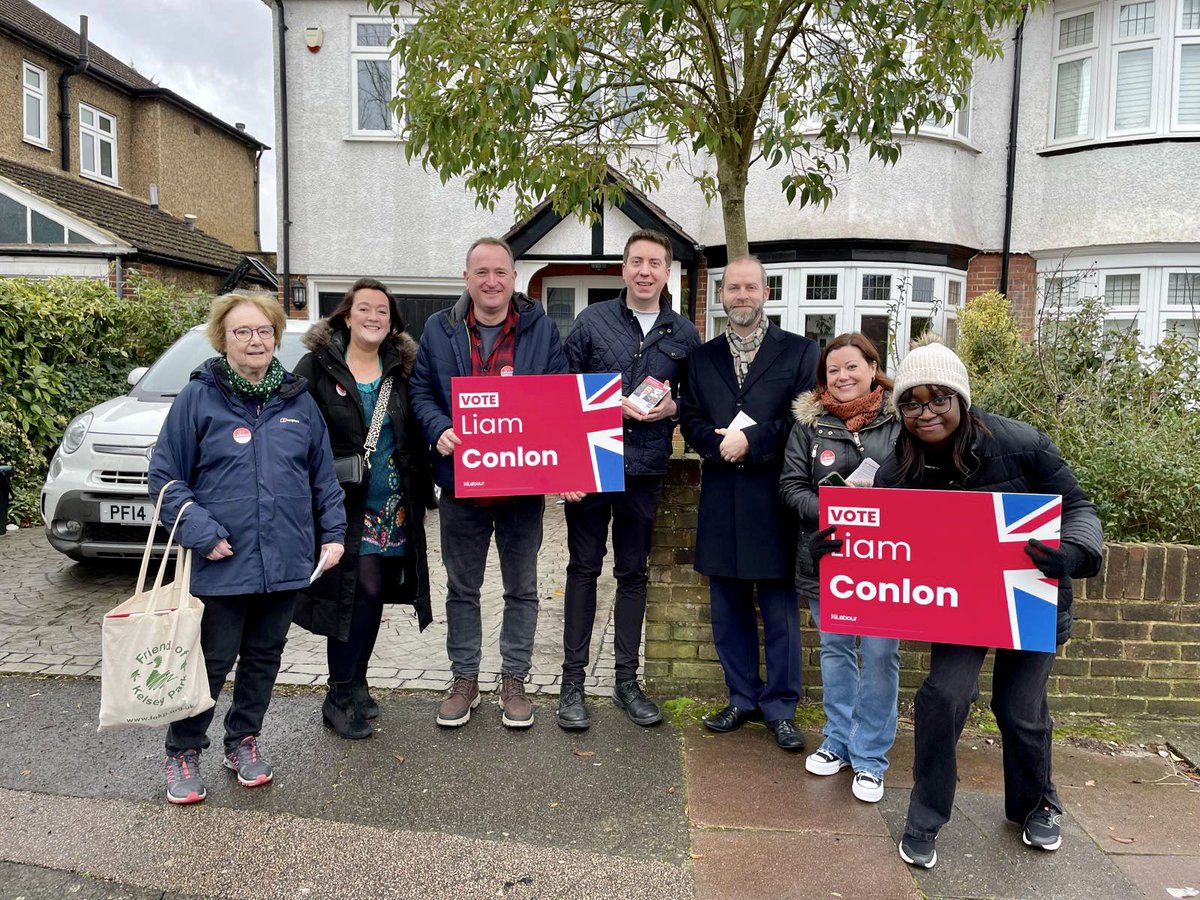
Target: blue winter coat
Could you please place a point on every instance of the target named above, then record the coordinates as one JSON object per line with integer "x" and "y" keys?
{"x": 261, "y": 494}
{"x": 445, "y": 352}
{"x": 607, "y": 338}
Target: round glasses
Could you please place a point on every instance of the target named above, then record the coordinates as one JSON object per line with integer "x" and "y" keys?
{"x": 243, "y": 334}
{"x": 910, "y": 409}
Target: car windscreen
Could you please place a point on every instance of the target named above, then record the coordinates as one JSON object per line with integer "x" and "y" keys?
{"x": 171, "y": 371}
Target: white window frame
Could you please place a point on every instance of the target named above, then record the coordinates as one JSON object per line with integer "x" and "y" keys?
{"x": 1143, "y": 288}
{"x": 98, "y": 137}
{"x": 1059, "y": 57}
{"x": 1166, "y": 42}
{"x": 359, "y": 54}
{"x": 42, "y": 139}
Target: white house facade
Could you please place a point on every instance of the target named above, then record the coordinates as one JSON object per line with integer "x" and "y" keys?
{"x": 1103, "y": 195}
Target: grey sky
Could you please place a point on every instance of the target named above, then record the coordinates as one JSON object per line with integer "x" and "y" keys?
{"x": 216, "y": 53}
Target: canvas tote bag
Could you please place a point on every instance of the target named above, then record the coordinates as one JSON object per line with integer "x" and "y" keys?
{"x": 152, "y": 669}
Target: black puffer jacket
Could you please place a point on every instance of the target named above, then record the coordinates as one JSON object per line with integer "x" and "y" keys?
{"x": 326, "y": 606}
{"x": 1013, "y": 457}
{"x": 607, "y": 338}
{"x": 820, "y": 443}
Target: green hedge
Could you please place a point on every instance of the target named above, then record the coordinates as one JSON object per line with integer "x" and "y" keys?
{"x": 66, "y": 345}
{"x": 1126, "y": 417}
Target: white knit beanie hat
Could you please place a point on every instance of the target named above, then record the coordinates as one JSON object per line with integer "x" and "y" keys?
{"x": 932, "y": 362}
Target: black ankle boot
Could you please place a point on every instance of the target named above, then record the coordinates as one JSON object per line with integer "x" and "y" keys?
{"x": 342, "y": 715}
{"x": 362, "y": 698}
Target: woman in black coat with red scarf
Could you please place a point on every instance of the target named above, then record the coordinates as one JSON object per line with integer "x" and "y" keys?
{"x": 361, "y": 357}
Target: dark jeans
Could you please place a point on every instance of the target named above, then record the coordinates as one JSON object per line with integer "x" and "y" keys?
{"x": 632, "y": 512}
{"x": 1022, "y": 712}
{"x": 349, "y": 658}
{"x": 466, "y": 535}
{"x": 735, "y": 634}
{"x": 251, "y": 629}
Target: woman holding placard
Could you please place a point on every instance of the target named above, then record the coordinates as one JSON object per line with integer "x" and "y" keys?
{"x": 946, "y": 444}
{"x": 246, "y": 444}
{"x": 845, "y": 428}
{"x": 358, "y": 373}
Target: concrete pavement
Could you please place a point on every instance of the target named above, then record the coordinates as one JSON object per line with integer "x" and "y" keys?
{"x": 615, "y": 812}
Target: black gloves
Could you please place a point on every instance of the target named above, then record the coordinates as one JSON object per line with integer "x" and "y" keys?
{"x": 1056, "y": 563}
{"x": 822, "y": 543}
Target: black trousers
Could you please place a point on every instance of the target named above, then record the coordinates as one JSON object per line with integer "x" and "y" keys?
{"x": 250, "y": 629}
{"x": 348, "y": 659}
{"x": 1022, "y": 712}
{"x": 632, "y": 513}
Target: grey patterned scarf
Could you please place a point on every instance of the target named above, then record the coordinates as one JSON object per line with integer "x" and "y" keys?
{"x": 744, "y": 349}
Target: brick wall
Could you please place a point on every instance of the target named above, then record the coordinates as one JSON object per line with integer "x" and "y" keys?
{"x": 1134, "y": 651}
{"x": 983, "y": 275}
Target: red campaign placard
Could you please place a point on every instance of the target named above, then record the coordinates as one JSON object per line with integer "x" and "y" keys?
{"x": 537, "y": 434}
{"x": 944, "y": 566}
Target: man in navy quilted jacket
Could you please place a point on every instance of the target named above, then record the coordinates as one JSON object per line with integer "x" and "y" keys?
{"x": 638, "y": 334}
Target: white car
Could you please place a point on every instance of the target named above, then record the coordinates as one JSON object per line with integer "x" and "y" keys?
{"x": 95, "y": 501}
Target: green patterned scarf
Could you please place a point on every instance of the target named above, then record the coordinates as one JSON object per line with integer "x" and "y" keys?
{"x": 270, "y": 382}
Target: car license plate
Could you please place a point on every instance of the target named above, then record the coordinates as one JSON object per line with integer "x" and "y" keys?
{"x": 126, "y": 513}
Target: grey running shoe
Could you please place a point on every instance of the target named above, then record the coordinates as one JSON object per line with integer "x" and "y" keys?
{"x": 916, "y": 852}
{"x": 245, "y": 759}
{"x": 184, "y": 784}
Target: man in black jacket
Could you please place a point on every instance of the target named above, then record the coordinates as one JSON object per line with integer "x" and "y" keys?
{"x": 638, "y": 334}
{"x": 736, "y": 413}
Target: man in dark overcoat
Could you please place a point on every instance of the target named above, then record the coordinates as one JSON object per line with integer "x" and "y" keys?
{"x": 736, "y": 415}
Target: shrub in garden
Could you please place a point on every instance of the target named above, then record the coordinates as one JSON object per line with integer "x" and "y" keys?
{"x": 67, "y": 344}
{"x": 1126, "y": 417}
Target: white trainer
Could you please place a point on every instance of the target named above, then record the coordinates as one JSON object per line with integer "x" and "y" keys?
{"x": 823, "y": 762}
{"x": 867, "y": 787}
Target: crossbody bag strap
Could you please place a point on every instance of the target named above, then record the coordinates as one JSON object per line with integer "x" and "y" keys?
{"x": 372, "y": 441}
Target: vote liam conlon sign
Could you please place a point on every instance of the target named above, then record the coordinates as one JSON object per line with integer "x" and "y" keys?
{"x": 942, "y": 566}
{"x": 537, "y": 434}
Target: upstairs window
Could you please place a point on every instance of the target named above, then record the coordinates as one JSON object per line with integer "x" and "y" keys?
{"x": 1125, "y": 69}
{"x": 374, "y": 76}
{"x": 97, "y": 144}
{"x": 33, "y": 80}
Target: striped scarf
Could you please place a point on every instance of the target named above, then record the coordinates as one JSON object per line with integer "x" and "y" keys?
{"x": 744, "y": 349}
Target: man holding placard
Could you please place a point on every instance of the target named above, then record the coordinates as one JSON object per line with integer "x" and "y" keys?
{"x": 492, "y": 330}
{"x": 638, "y": 334}
{"x": 737, "y": 415}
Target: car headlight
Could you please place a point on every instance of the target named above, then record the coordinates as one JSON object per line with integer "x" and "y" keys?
{"x": 76, "y": 432}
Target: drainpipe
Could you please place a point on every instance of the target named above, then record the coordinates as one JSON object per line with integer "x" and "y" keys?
{"x": 284, "y": 244}
{"x": 64, "y": 94}
{"x": 257, "y": 202}
{"x": 1010, "y": 178}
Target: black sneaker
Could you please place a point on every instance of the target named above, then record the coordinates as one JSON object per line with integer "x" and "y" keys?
{"x": 184, "y": 784}
{"x": 916, "y": 852}
{"x": 1043, "y": 828}
{"x": 630, "y": 697}
{"x": 572, "y": 711}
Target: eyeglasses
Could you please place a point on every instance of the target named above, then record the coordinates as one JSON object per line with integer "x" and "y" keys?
{"x": 911, "y": 409}
{"x": 243, "y": 334}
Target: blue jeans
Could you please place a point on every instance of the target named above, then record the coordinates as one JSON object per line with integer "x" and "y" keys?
{"x": 467, "y": 531}
{"x": 860, "y": 706}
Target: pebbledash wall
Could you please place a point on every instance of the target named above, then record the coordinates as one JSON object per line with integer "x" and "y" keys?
{"x": 1134, "y": 650}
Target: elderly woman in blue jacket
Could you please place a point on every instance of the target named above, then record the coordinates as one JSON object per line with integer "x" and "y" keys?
{"x": 245, "y": 443}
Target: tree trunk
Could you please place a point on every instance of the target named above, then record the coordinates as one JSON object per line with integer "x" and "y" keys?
{"x": 732, "y": 177}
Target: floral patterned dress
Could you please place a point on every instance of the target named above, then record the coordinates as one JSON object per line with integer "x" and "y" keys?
{"x": 384, "y": 528}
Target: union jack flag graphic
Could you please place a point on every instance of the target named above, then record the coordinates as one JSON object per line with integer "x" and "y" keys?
{"x": 606, "y": 445}
{"x": 1032, "y": 598}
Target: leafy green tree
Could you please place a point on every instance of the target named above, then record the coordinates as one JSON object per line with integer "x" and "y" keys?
{"x": 538, "y": 97}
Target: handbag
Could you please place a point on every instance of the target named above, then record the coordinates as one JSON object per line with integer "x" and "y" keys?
{"x": 351, "y": 469}
{"x": 152, "y": 666}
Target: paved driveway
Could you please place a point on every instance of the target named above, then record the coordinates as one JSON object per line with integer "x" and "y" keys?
{"x": 50, "y": 612}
